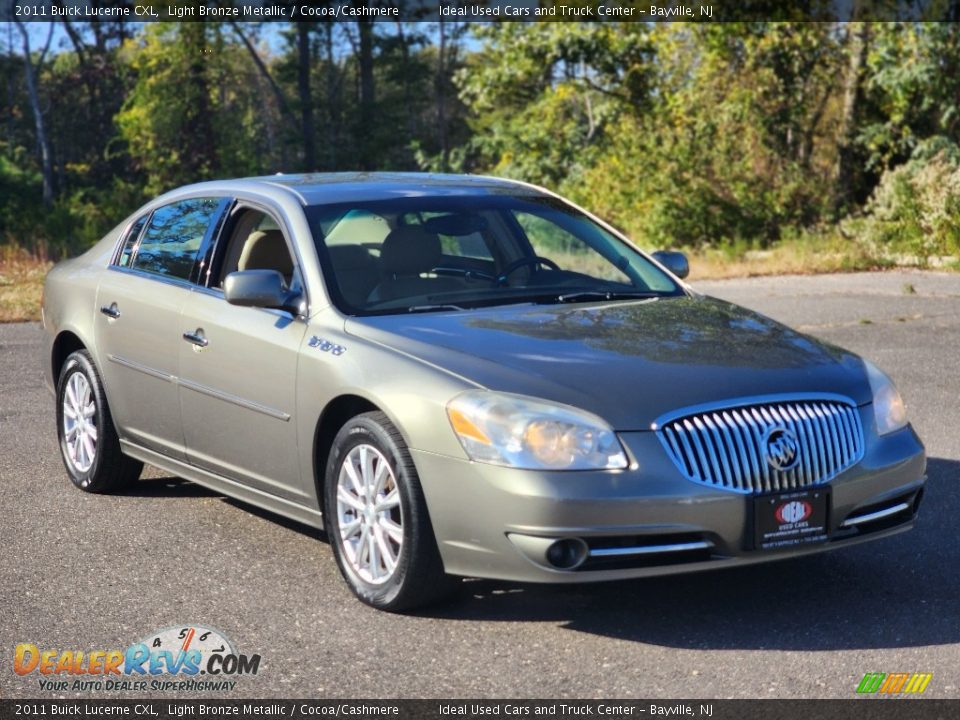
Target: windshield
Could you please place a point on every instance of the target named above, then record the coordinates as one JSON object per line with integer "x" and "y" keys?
{"x": 420, "y": 254}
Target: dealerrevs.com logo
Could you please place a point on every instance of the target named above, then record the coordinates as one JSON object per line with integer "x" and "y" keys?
{"x": 184, "y": 657}
{"x": 894, "y": 683}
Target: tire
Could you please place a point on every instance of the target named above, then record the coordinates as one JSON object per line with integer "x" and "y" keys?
{"x": 90, "y": 448}
{"x": 398, "y": 567}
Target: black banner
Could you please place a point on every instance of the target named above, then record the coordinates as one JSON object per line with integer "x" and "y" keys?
{"x": 854, "y": 709}
{"x": 481, "y": 10}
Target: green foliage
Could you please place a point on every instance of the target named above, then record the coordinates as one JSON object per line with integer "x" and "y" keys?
{"x": 916, "y": 207}
{"x": 722, "y": 155}
{"x": 193, "y": 112}
{"x": 913, "y": 86}
{"x": 542, "y": 95}
{"x": 725, "y": 137}
{"x": 19, "y": 211}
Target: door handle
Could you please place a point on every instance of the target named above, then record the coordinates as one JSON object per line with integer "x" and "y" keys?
{"x": 111, "y": 311}
{"x": 196, "y": 338}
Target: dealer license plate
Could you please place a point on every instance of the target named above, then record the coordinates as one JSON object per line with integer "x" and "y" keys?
{"x": 789, "y": 519}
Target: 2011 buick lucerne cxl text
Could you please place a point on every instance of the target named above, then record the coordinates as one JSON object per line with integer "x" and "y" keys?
{"x": 463, "y": 376}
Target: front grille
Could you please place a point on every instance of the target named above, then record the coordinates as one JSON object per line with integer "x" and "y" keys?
{"x": 748, "y": 448}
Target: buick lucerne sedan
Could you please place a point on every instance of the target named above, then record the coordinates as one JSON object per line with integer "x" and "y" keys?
{"x": 463, "y": 376}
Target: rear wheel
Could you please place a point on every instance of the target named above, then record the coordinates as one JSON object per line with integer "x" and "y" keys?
{"x": 88, "y": 441}
{"x": 377, "y": 519}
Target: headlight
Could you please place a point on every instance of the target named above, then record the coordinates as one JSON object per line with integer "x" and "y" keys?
{"x": 521, "y": 432}
{"x": 888, "y": 408}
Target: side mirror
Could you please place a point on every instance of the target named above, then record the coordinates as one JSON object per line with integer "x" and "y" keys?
{"x": 675, "y": 262}
{"x": 257, "y": 288}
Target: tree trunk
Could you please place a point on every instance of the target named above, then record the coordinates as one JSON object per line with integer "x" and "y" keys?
{"x": 442, "y": 99}
{"x": 46, "y": 154}
{"x": 200, "y": 140}
{"x": 306, "y": 98}
{"x": 858, "y": 41}
{"x": 809, "y": 134}
{"x": 407, "y": 90}
{"x": 367, "y": 93}
{"x": 333, "y": 100}
{"x": 282, "y": 104}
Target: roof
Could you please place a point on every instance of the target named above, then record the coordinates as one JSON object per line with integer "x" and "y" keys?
{"x": 322, "y": 188}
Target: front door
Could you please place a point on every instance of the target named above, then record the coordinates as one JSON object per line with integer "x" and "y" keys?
{"x": 238, "y": 369}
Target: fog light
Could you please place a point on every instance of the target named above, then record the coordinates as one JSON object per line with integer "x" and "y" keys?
{"x": 567, "y": 554}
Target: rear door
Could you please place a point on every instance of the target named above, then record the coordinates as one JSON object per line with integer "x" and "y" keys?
{"x": 137, "y": 329}
{"x": 238, "y": 367}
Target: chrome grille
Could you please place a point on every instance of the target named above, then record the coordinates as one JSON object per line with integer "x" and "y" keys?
{"x": 728, "y": 447}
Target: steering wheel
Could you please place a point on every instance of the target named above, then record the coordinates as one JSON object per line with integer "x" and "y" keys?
{"x": 535, "y": 260}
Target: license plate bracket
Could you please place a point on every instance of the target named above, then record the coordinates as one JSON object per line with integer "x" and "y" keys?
{"x": 791, "y": 519}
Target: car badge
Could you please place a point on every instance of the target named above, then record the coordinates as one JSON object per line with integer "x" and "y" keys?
{"x": 782, "y": 449}
{"x": 326, "y": 346}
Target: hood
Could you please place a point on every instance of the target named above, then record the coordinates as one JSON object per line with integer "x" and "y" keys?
{"x": 628, "y": 362}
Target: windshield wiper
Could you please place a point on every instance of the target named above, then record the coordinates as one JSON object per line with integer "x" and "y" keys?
{"x": 434, "y": 308}
{"x": 585, "y": 295}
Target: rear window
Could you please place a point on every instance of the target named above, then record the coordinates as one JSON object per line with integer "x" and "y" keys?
{"x": 172, "y": 240}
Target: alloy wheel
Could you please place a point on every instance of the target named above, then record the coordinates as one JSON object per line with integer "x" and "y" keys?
{"x": 80, "y": 422}
{"x": 370, "y": 514}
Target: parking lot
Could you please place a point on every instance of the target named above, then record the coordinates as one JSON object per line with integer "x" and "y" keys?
{"x": 87, "y": 572}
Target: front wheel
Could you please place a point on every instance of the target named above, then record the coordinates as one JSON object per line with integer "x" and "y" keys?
{"x": 88, "y": 440}
{"x": 377, "y": 519}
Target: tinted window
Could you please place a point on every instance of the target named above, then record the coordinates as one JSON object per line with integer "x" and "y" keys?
{"x": 130, "y": 240}
{"x": 171, "y": 242}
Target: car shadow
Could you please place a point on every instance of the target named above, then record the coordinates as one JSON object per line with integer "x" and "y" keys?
{"x": 159, "y": 487}
{"x": 170, "y": 486}
{"x": 896, "y": 592}
{"x": 273, "y": 517}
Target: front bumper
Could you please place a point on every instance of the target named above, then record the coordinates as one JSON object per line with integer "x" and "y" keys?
{"x": 495, "y": 522}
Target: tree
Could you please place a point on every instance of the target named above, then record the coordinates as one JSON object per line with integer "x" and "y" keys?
{"x": 304, "y": 61}
{"x": 31, "y": 72}
{"x": 858, "y": 43}
{"x": 541, "y": 95}
{"x": 366, "y": 116}
{"x": 194, "y": 110}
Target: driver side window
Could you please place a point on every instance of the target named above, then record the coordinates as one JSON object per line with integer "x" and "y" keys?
{"x": 257, "y": 243}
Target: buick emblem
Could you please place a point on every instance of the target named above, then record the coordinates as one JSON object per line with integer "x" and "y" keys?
{"x": 782, "y": 449}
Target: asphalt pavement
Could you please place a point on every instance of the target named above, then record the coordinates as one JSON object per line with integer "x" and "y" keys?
{"x": 86, "y": 572}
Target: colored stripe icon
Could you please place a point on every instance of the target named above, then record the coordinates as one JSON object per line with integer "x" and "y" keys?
{"x": 894, "y": 683}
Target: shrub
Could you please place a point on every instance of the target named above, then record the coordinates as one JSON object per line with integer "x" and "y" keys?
{"x": 916, "y": 207}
